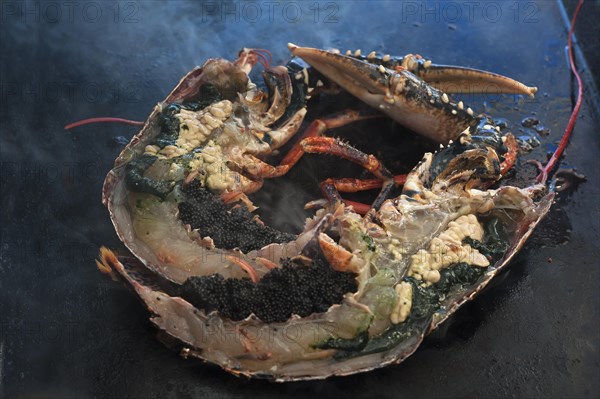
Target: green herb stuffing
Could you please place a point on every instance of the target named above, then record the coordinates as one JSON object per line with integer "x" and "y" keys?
{"x": 353, "y": 344}
{"x": 369, "y": 241}
{"x": 495, "y": 241}
{"x": 460, "y": 275}
{"x": 136, "y": 181}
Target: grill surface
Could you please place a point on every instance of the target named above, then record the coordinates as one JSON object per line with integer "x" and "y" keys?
{"x": 67, "y": 331}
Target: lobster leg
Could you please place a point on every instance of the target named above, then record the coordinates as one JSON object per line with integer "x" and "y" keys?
{"x": 331, "y": 191}
{"x": 333, "y": 146}
{"x": 338, "y": 257}
{"x": 511, "y": 156}
{"x": 318, "y": 128}
{"x": 257, "y": 169}
{"x": 351, "y": 185}
{"x": 331, "y": 187}
{"x": 359, "y": 207}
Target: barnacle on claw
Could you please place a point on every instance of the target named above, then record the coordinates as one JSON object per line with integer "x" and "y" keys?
{"x": 350, "y": 292}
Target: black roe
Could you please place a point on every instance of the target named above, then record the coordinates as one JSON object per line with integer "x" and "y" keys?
{"x": 290, "y": 289}
{"x": 228, "y": 227}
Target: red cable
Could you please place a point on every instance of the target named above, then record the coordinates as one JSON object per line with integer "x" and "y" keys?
{"x": 103, "y": 119}
{"x": 543, "y": 176}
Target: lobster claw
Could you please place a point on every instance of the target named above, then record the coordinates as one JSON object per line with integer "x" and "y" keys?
{"x": 417, "y": 102}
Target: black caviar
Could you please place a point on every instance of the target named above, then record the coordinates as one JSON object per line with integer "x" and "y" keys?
{"x": 282, "y": 292}
{"x": 229, "y": 227}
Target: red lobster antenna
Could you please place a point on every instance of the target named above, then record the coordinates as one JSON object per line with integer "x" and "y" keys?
{"x": 264, "y": 57}
{"x": 103, "y": 119}
{"x": 545, "y": 170}
{"x": 253, "y": 55}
